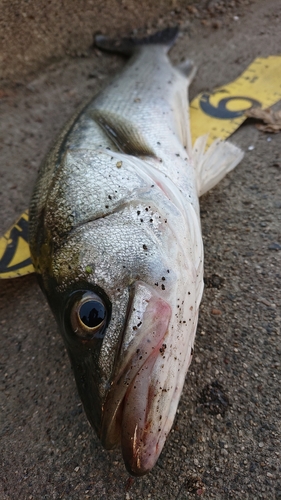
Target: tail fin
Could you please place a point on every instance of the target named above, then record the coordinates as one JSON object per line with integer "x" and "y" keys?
{"x": 127, "y": 46}
{"x": 211, "y": 166}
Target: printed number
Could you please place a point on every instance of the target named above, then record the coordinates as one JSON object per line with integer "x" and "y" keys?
{"x": 221, "y": 111}
{"x": 20, "y": 230}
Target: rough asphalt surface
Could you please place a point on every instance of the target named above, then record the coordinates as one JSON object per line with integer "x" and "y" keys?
{"x": 225, "y": 441}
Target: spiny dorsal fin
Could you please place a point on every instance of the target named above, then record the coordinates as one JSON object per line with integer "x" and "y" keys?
{"x": 122, "y": 132}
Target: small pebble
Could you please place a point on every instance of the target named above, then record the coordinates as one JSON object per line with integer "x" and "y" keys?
{"x": 216, "y": 312}
{"x": 274, "y": 246}
{"x": 217, "y": 24}
{"x": 250, "y": 148}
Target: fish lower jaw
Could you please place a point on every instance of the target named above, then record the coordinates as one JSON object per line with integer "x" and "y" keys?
{"x": 133, "y": 425}
{"x": 141, "y": 440}
{"x": 137, "y": 424}
{"x": 144, "y": 455}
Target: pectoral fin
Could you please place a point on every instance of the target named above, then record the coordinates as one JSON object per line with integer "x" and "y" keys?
{"x": 122, "y": 133}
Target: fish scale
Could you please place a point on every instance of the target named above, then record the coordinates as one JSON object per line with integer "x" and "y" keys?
{"x": 161, "y": 118}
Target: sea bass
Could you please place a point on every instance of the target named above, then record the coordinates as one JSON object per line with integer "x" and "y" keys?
{"x": 116, "y": 242}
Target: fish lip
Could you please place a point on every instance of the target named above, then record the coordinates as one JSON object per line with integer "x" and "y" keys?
{"x": 134, "y": 464}
{"x": 137, "y": 461}
{"x": 130, "y": 397}
{"x": 115, "y": 417}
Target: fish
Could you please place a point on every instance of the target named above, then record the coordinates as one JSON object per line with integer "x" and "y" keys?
{"x": 116, "y": 243}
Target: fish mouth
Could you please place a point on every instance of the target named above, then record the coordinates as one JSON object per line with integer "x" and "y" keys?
{"x": 132, "y": 413}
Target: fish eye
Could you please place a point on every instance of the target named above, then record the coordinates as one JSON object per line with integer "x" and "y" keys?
{"x": 88, "y": 316}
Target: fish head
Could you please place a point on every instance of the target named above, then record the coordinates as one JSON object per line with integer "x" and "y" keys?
{"x": 124, "y": 296}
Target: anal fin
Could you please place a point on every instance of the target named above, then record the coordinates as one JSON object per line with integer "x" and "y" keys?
{"x": 122, "y": 133}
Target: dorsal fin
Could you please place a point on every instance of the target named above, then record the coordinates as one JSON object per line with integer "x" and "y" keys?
{"x": 122, "y": 132}
{"x": 128, "y": 46}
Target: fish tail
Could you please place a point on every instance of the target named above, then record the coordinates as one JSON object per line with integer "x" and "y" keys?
{"x": 128, "y": 46}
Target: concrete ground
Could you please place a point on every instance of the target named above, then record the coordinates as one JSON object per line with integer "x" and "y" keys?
{"x": 225, "y": 442}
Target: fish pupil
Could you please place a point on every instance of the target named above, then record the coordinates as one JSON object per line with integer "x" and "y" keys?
{"x": 92, "y": 313}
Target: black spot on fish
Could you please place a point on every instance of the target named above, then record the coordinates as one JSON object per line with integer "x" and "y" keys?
{"x": 162, "y": 348}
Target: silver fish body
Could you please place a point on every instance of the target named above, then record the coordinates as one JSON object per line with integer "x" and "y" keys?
{"x": 116, "y": 242}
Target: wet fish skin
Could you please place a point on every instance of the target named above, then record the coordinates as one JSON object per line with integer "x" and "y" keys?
{"x": 115, "y": 226}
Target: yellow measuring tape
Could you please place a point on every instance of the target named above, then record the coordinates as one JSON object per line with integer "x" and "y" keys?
{"x": 14, "y": 250}
{"x": 217, "y": 114}
{"x": 221, "y": 112}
